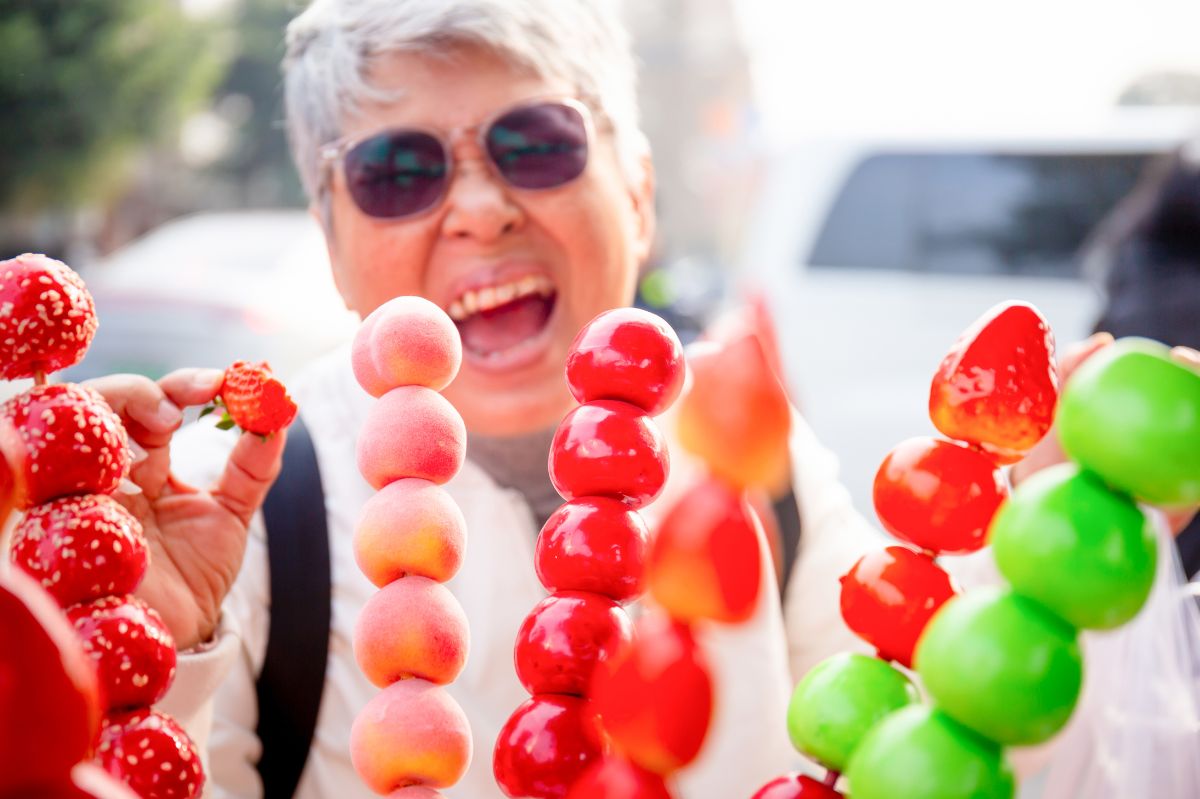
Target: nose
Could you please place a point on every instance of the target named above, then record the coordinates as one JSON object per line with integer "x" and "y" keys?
{"x": 479, "y": 206}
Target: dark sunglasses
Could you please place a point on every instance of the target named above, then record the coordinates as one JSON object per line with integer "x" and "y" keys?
{"x": 541, "y": 144}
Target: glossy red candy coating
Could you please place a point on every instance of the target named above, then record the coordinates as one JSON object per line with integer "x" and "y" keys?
{"x": 49, "y": 318}
{"x": 133, "y": 650}
{"x": 939, "y": 495}
{"x": 615, "y": 777}
{"x": 609, "y": 449}
{"x": 655, "y": 700}
{"x": 152, "y": 754}
{"x": 565, "y": 638}
{"x": 593, "y": 544}
{"x": 630, "y": 355}
{"x": 545, "y": 745}
{"x": 889, "y": 596}
{"x": 706, "y": 559}
{"x": 795, "y": 786}
{"x": 49, "y": 711}
{"x": 81, "y": 548}
{"x": 998, "y": 386}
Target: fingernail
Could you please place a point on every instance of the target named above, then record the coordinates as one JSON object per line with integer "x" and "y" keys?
{"x": 207, "y": 378}
{"x": 167, "y": 413}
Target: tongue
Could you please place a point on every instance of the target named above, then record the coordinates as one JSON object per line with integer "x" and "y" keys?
{"x": 502, "y": 328}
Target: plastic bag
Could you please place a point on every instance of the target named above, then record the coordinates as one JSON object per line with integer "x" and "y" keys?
{"x": 1136, "y": 731}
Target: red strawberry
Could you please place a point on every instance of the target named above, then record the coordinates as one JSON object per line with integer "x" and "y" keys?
{"x": 133, "y": 650}
{"x": 74, "y": 443}
{"x": 152, "y": 754}
{"x": 49, "y": 712}
{"x": 255, "y": 400}
{"x": 47, "y": 318}
{"x": 81, "y": 548}
{"x": 998, "y": 387}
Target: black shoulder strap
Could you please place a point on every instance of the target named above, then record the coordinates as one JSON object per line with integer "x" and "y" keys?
{"x": 293, "y": 675}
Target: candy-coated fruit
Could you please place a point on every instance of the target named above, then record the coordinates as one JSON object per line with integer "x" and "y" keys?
{"x": 1132, "y": 415}
{"x": 1083, "y": 551}
{"x": 412, "y": 627}
{"x": 997, "y": 387}
{"x": 889, "y": 596}
{"x": 411, "y": 526}
{"x": 616, "y": 778}
{"x": 407, "y": 341}
{"x": 411, "y": 431}
{"x": 255, "y": 399}
{"x": 1002, "y": 665}
{"x": 133, "y": 650}
{"x": 152, "y": 754}
{"x": 736, "y": 417}
{"x": 49, "y": 710}
{"x": 706, "y": 560}
{"x": 839, "y": 701}
{"x": 626, "y": 354}
{"x": 81, "y": 548}
{"x": 920, "y": 753}
{"x": 74, "y": 443}
{"x": 796, "y": 786}
{"x": 410, "y": 733}
{"x": 48, "y": 320}
{"x": 593, "y": 544}
{"x": 565, "y": 638}
{"x": 545, "y": 745}
{"x": 93, "y": 782}
{"x": 938, "y": 494}
{"x": 609, "y": 449}
{"x": 655, "y": 699}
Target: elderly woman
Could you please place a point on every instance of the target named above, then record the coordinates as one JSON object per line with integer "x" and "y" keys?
{"x": 484, "y": 154}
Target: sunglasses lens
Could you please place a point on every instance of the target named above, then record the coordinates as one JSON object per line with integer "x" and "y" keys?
{"x": 396, "y": 174}
{"x": 539, "y": 146}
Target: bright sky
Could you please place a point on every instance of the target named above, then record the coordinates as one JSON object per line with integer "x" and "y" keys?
{"x": 849, "y": 63}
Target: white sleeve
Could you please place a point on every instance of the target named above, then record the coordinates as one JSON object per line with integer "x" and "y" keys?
{"x": 833, "y": 535}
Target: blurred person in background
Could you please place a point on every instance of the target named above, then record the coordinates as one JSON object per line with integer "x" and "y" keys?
{"x": 1148, "y": 254}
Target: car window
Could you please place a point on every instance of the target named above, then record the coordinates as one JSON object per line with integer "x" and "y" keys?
{"x": 964, "y": 212}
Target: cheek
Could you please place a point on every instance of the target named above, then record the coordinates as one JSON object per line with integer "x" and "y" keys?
{"x": 376, "y": 262}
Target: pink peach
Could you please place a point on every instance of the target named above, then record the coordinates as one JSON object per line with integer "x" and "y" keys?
{"x": 412, "y": 431}
{"x": 410, "y": 526}
{"x": 411, "y": 733}
{"x": 413, "y": 627}
{"x": 415, "y": 792}
{"x": 407, "y": 341}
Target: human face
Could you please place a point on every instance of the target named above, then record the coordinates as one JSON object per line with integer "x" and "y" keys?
{"x": 570, "y": 252}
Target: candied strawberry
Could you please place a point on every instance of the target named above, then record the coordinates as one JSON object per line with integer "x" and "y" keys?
{"x": 133, "y": 650}
{"x": 81, "y": 548}
{"x": 49, "y": 712}
{"x": 74, "y": 443}
{"x": 47, "y": 318}
{"x": 152, "y": 754}
{"x": 255, "y": 400}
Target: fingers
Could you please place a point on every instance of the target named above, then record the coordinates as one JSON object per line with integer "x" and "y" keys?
{"x": 1080, "y": 351}
{"x": 192, "y": 386}
{"x": 149, "y": 416}
{"x": 252, "y": 468}
{"x": 1186, "y": 356}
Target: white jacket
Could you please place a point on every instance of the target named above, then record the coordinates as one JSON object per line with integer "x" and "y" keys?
{"x": 497, "y": 586}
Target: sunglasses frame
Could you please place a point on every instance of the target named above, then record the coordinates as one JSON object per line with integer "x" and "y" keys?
{"x": 333, "y": 154}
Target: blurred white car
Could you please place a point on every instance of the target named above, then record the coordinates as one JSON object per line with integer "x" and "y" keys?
{"x": 875, "y": 252}
{"x": 208, "y": 289}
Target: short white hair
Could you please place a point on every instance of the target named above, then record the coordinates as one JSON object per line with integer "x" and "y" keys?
{"x": 331, "y": 44}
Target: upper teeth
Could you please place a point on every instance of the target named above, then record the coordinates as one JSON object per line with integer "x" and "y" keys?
{"x": 488, "y": 297}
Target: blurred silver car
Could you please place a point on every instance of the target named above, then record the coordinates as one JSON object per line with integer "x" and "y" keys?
{"x": 876, "y": 252}
{"x": 212, "y": 288}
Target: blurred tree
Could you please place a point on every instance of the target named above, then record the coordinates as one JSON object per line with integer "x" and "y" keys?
{"x": 85, "y": 82}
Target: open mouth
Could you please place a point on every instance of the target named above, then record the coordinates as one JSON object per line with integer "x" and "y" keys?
{"x": 502, "y": 324}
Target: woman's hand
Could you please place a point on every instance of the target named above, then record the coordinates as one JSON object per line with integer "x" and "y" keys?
{"x": 1049, "y": 452}
{"x": 196, "y": 537}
